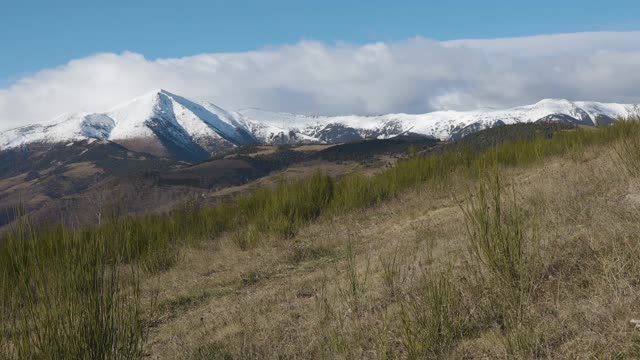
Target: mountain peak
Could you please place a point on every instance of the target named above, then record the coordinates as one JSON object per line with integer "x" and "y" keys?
{"x": 161, "y": 91}
{"x": 552, "y": 101}
{"x": 157, "y": 91}
{"x": 149, "y": 96}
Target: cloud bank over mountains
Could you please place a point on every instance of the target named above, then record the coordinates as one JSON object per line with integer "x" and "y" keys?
{"x": 413, "y": 76}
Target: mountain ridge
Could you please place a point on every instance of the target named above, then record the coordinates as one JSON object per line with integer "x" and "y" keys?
{"x": 165, "y": 124}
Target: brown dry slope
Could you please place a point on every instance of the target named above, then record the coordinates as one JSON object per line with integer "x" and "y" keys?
{"x": 362, "y": 285}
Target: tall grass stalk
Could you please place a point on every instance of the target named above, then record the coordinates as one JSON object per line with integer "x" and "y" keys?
{"x": 63, "y": 297}
{"x": 357, "y": 281}
{"x": 505, "y": 247}
{"x": 392, "y": 275}
{"x": 433, "y": 318}
{"x": 628, "y": 151}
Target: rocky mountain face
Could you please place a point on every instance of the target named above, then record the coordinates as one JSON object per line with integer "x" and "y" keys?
{"x": 168, "y": 125}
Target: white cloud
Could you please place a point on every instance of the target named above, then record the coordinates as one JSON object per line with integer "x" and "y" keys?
{"x": 415, "y": 75}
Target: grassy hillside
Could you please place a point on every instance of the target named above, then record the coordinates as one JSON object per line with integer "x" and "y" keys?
{"x": 524, "y": 250}
{"x": 80, "y": 180}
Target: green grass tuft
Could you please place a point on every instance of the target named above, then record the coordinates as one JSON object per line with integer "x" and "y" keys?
{"x": 433, "y": 318}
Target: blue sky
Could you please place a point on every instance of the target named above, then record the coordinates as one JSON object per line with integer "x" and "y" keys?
{"x": 42, "y": 34}
{"x": 322, "y": 57}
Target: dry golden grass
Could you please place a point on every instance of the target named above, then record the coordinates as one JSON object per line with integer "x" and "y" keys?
{"x": 82, "y": 169}
{"x": 295, "y": 172}
{"x": 339, "y": 288}
{"x": 536, "y": 261}
{"x": 9, "y": 183}
{"x": 312, "y": 147}
{"x": 280, "y": 282}
{"x": 344, "y": 287}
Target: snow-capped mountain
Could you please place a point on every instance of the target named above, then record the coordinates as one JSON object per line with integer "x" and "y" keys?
{"x": 158, "y": 122}
{"x": 442, "y": 125}
{"x": 166, "y": 124}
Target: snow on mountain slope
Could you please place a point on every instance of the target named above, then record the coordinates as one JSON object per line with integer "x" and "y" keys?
{"x": 166, "y": 124}
{"x": 442, "y": 125}
{"x": 199, "y": 121}
{"x": 64, "y": 128}
{"x": 157, "y": 122}
{"x": 326, "y": 129}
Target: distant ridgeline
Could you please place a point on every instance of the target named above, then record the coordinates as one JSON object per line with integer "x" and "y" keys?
{"x": 170, "y": 126}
